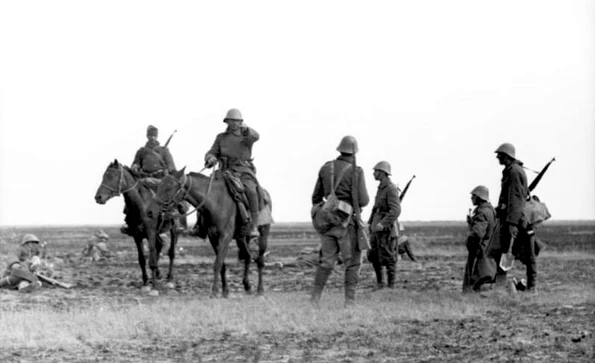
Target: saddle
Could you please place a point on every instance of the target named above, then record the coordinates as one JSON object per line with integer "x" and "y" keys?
{"x": 237, "y": 190}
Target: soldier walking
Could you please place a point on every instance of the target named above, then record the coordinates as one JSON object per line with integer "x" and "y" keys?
{"x": 383, "y": 226}
{"x": 481, "y": 228}
{"x": 340, "y": 174}
{"x": 513, "y": 224}
{"x": 233, "y": 150}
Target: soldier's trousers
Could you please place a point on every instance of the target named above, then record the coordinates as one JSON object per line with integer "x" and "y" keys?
{"x": 524, "y": 245}
{"x": 330, "y": 249}
{"x": 251, "y": 193}
{"x": 383, "y": 253}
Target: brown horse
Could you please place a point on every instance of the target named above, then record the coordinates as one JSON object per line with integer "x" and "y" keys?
{"x": 117, "y": 180}
{"x": 219, "y": 219}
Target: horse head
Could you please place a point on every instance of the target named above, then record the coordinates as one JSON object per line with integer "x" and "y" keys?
{"x": 169, "y": 193}
{"x": 113, "y": 182}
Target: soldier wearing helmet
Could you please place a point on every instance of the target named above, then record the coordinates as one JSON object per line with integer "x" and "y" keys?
{"x": 31, "y": 246}
{"x": 481, "y": 224}
{"x": 341, "y": 178}
{"x": 96, "y": 248}
{"x": 383, "y": 226}
{"x": 232, "y": 149}
{"x": 513, "y": 224}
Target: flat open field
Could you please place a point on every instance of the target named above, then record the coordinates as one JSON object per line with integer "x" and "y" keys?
{"x": 106, "y": 318}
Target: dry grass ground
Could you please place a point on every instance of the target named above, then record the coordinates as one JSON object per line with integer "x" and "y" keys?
{"x": 106, "y": 318}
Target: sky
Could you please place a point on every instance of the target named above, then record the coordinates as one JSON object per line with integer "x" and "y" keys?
{"x": 432, "y": 87}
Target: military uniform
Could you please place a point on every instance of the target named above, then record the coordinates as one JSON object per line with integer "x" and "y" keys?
{"x": 154, "y": 160}
{"x": 386, "y": 210}
{"x": 340, "y": 239}
{"x": 233, "y": 150}
{"x": 481, "y": 227}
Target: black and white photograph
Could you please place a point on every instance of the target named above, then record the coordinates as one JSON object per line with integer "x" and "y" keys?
{"x": 312, "y": 181}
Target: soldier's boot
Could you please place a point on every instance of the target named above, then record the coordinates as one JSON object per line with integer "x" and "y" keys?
{"x": 532, "y": 278}
{"x": 390, "y": 275}
{"x": 322, "y": 275}
{"x": 351, "y": 280}
{"x": 254, "y": 231}
{"x": 379, "y": 277}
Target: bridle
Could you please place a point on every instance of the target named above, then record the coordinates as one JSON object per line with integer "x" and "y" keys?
{"x": 116, "y": 192}
{"x": 181, "y": 194}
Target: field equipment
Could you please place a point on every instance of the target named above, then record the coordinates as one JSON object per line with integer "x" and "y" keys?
{"x": 54, "y": 282}
{"x": 535, "y": 211}
{"x": 507, "y": 149}
{"x": 507, "y": 260}
{"x": 406, "y": 189}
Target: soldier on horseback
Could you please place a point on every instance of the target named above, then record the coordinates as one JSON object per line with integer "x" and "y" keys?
{"x": 154, "y": 161}
{"x": 232, "y": 149}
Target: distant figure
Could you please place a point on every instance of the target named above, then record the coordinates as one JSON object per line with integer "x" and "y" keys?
{"x": 338, "y": 177}
{"x": 232, "y": 149}
{"x": 404, "y": 248}
{"x": 383, "y": 226}
{"x": 97, "y": 248}
{"x": 481, "y": 227}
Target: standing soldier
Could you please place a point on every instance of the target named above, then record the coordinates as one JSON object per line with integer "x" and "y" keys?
{"x": 481, "y": 227}
{"x": 154, "y": 161}
{"x": 233, "y": 150}
{"x": 383, "y": 226}
{"x": 342, "y": 238}
{"x": 513, "y": 224}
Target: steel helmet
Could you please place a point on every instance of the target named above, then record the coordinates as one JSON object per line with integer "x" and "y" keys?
{"x": 29, "y": 238}
{"x": 152, "y": 131}
{"x": 233, "y": 114}
{"x": 507, "y": 149}
{"x": 482, "y": 192}
{"x": 383, "y": 166}
{"x": 101, "y": 234}
{"x": 348, "y": 145}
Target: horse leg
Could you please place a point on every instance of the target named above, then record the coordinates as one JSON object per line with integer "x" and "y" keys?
{"x": 263, "y": 241}
{"x": 245, "y": 255}
{"x": 220, "y": 245}
{"x": 141, "y": 259}
{"x": 158, "y": 248}
{"x": 224, "y": 287}
{"x": 153, "y": 240}
{"x": 172, "y": 256}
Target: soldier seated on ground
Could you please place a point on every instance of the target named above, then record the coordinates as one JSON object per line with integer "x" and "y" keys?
{"x": 96, "y": 248}
{"x": 404, "y": 247}
{"x": 20, "y": 274}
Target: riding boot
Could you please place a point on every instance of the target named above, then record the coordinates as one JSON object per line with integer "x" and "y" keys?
{"x": 322, "y": 275}
{"x": 379, "y": 276}
{"x": 390, "y": 273}
{"x": 531, "y": 265}
{"x": 254, "y": 231}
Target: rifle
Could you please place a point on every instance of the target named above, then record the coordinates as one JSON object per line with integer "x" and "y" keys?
{"x": 540, "y": 175}
{"x": 169, "y": 138}
{"x": 361, "y": 233}
{"x": 54, "y": 282}
{"x": 405, "y": 189}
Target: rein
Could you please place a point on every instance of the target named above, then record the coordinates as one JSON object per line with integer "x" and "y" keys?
{"x": 117, "y": 192}
{"x": 184, "y": 191}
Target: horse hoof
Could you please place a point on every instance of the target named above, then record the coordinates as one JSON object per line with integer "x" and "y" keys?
{"x": 169, "y": 285}
{"x": 153, "y": 293}
{"x": 145, "y": 288}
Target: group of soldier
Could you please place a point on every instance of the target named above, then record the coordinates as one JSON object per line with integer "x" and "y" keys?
{"x": 342, "y": 182}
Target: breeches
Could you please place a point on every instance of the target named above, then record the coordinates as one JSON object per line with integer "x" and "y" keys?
{"x": 383, "y": 251}
{"x": 251, "y": 192}
{"x": 346, "y": 246}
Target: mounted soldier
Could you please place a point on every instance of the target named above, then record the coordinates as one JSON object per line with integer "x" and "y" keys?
{"x": 152, "y": 162}
{"x": 232, "y": 149}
